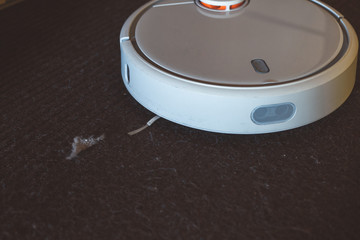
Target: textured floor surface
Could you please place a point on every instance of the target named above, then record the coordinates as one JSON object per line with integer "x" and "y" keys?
{"x": 60, "y": 78}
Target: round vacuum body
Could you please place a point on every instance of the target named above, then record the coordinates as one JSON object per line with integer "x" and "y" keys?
{"x": 239, "y": 66}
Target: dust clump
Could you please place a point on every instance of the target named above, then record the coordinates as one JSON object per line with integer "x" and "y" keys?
{"x": 80, "y": 144}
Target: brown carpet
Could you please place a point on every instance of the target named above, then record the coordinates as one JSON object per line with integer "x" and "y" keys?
{"x": 60, "y": 78}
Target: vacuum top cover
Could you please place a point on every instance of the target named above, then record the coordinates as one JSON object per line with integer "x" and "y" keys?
{"x": 261, "y": 42}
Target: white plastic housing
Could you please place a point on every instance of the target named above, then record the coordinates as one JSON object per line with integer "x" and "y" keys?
{"x": 229, "y": 108}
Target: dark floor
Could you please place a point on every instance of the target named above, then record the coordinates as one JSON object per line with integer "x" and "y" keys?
{"x": 60, "y": 78}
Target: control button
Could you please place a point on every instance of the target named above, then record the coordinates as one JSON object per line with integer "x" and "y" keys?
{"x": 260, "y": 66}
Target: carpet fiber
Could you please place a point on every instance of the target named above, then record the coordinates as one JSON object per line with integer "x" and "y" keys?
{"x": 60, "y": 79}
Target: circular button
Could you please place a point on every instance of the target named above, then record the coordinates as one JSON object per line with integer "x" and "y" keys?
{"x": 225, "y": 5}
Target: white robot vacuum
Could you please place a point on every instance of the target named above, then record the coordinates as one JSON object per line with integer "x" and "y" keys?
{"x": 239, "y": 66}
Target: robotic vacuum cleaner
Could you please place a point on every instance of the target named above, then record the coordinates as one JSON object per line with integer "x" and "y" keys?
{"x": 239, "y": 66}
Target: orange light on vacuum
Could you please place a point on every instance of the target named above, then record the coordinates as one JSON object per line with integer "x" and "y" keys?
{"x": 235, "y": 6}
{"x": 226, "y": 5}
{"x": 213, "y": 6}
